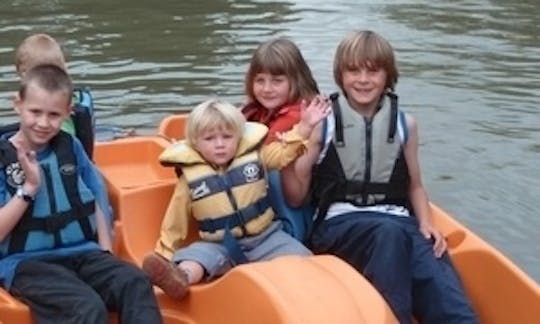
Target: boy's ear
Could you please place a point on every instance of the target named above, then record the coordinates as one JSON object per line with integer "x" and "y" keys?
{"x": 70, "y": 109}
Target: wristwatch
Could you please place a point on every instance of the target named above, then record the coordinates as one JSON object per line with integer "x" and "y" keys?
{"x": 24, "y": 195}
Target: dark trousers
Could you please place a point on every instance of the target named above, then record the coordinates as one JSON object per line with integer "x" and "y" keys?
{"x": 83, "y": 288}
{"x": 393, "y": 255}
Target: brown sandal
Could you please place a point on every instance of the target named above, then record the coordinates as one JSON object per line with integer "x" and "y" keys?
{"x": 166, "y": 275}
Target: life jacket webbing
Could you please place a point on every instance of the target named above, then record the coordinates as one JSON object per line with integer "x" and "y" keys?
{"x": 393, "y": 116}
{"x": 72, "y": 189}
{"x": 83, "y": 118}
{"x": 237, "y": 218}
{"x": 359, "y": 188}
{"x": 234, "y": 177}
{"x": 340, "y": 139}
{"x": 56, "y": 221}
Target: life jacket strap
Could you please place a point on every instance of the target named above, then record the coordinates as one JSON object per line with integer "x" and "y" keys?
{"x": 238, "y": 218}
{"x": 389, "y": 189}
{"x": 339, "y": 137}
{"x": 237, "y": 176}
{"x": 52, "y": 225}
{"x": 58, "y": 221}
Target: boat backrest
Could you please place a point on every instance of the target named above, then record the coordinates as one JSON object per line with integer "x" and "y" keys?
{"x": 296, "y": 221}
{"x": 172, "y": 127}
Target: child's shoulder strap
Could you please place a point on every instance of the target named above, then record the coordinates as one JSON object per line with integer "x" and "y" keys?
{"x": 83, "y": 118}
{"x": 8, "y": 130}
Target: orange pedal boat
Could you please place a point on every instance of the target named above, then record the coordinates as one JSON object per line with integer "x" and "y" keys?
{"x": 312, "y": 290}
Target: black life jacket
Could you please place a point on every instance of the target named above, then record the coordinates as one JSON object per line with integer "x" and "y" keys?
{"x": 362, "y": 183}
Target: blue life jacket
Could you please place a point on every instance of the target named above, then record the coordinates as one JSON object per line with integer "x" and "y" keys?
{"x": 62, "y": 213}
{"x": 82, "y": 116}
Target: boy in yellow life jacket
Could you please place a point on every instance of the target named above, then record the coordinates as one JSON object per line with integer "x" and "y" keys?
{"x": 223, "y": 187}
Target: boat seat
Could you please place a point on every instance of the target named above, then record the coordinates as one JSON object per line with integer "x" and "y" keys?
{"x": 173, "y": 127}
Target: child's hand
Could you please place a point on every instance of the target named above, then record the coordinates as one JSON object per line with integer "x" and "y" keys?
{"x": 312, "y": 114}
{"x": 439, "y": 243}
{"x": 29, "y": 165}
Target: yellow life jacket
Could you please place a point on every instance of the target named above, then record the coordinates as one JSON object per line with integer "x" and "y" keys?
{"x": 234, "y": 198}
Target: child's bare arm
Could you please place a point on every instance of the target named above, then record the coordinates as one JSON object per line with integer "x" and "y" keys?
{"x": 103, "y": 230}
{"x": 296, "y": 177}
{"x": 417, "y": 192}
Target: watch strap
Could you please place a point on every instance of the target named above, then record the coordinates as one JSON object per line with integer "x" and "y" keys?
{"x": 24, "y": 195}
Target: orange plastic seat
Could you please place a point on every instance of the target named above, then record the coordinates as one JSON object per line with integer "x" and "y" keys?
{"x": 173, "y": 127}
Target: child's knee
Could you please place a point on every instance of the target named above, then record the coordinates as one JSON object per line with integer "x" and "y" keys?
{"x": 90, "y": 309}
{"x": 133, "y": 277}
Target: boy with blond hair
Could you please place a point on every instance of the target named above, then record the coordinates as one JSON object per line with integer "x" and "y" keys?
{"x": 223, "y": 188}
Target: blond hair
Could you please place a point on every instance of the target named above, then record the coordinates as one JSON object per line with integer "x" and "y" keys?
{"x": 281, "y": 56}
{"x": 212, "y": 114}
{"x": 38, "y": 49}
{"x": 365, "y": 49}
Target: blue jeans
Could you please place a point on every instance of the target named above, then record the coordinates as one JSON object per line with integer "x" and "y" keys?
{"x": 393, "y": 255}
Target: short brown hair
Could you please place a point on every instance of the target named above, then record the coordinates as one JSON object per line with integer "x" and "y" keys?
{"x": 362, "y": 48}
{"x": 38, "y": 49}
{"x": 281, "y": 56}
{"x": 49, "y": 77}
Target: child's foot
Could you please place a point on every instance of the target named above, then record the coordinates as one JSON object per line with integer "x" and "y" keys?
{"x": 166, "y": 275}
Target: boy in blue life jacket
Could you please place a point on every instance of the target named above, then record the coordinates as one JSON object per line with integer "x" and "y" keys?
{"x": 38, "y": 49}
{"x": 54, "y": 220}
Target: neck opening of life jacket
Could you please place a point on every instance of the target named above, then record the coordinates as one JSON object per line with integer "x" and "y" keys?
{"x": 367, "y": 166}
{"x": 34, "y": 232}
{"x": 392, "y": 126}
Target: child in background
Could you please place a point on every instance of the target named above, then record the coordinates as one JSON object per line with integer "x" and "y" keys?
{"x": 54, "y": 222}
{"x": 277, "y": 83}
{"x": 223, "y": 188}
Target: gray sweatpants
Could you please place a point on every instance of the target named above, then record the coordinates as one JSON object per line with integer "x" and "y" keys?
{"x": 215, "y": 259}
